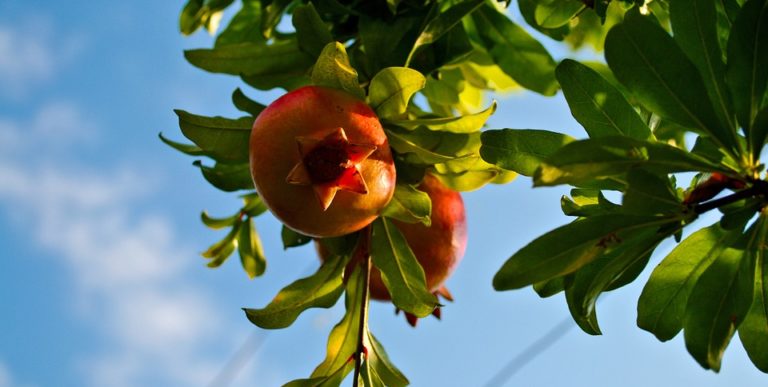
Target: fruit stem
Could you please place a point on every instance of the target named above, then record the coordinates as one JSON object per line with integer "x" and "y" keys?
{"x": 364, "y": 255}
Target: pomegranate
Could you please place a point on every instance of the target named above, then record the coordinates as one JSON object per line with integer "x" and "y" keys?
{"x": 321, "y": 162}
{"x": 438, "y": 248}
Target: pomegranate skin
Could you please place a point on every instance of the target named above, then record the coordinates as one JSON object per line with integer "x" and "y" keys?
{"x": 315, "y": 112}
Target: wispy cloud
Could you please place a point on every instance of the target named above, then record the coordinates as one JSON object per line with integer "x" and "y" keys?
{"x": 29, "y": 55}
{"x": 128, "y": 266}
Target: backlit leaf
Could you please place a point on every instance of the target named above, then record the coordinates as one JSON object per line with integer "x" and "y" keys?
{"x": 409, "y": 205}
{"x": 520, "y": 150}
{"x": 462, "y": 124}
{"x": 333, "y": 70}
{"x": 392, "y": 88}
{"x": 250, "y": 249}
{"x": 556, "y": 13}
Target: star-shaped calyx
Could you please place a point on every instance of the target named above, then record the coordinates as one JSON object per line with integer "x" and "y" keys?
{"x": 329, "y": 164}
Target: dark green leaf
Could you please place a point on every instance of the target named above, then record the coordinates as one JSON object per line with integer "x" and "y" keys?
{"x": 400, "y": 271}
{"x": 595, "y": 278}
{"x": 409, "y": 205}
{"x": 603, "y": 157}
{"x": 333, "y": 70}
{"x": 283, "y": 59}
{"x": 557, "y": 13}
{"x": 227, "y": 177}
{"x": 737, "y": 215}
{"x": 662, "y": 303}
{"x": 224, "y": 139}
{"x": 587, "y": 202}
{"x": 245, "y": 104}
{"x": 550, "y": 287}
{"x": 568, "y": 248}
{"x": 759, "y": 133}
{"x": 695, "y": 30}
{"x": 528, "y": 11}
{"x": 271, "y": 13}
{"x": 244, "y": 27}
{"x": 598, "y": 105}
{"x": 746, "y": 73}
{"x": 462, "y": 124}
{"x": 444, "y": 22}
{"x": 218, "y": 223}
{"x": 392, "y": 88}
{"x": 189, "y": 20}
{"x": 649, "y": 193}
{"x": 292, "y": 238}
{"x": 517, "y": 53}
{"x": 342, "y": 342}
{"x": 718, "y": 303}
{"x": 250, "y": 249}
{"x": 648, "y": 62}
{"x": 192, "y": 150}
{"x": 320, "y": 290}
{"x": 391, "y": 39}
{"x": 453, "y": 47}
{"x": 752, "y": 332}
{"x": 311, "y": 31}
{"x": 520, "y": 150}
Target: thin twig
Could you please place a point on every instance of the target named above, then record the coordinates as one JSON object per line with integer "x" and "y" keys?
{"x": 758, "y": 188}
{"x": 364, "y": 255}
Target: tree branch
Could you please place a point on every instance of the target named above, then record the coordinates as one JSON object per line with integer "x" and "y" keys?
{"x": 758, "y": 188}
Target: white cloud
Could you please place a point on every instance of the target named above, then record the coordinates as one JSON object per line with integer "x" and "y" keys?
{"x": 30, "y": 55}
{"x": 128, "y": 267}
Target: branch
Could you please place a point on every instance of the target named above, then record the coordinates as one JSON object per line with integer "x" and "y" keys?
{"x": 363, "y": 254}
{"x": 758, "y": 188}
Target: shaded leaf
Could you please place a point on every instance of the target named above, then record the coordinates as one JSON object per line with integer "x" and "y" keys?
{"x": 379, "y": 362}
{"x": 192, "y": 150}
{"x": 746, "y": 73}
{"x": 649, "y": 63}
{"x": 649, "y": 193}
{"x": 759, "y": 132}
{"x": 292, "y": 238}
{"x": 320, "y": 290}
{"x": 312, "y": 33}
{"x": 520, "y": 150}
{"x": 227, "y": 177}
{"x": 695, "y": 31}
{"x": 556, "y": 13}
{"x": 568, "y": 248}
{"x": 597, "y": 105}
{"x": 462, "y": 124}
{"x": 444, "y": 22}
{"x": 752, "y": 332}
{"x": 224, "y": 139}
{"x": 243, "y": 27}
{"x": 245, "y": 104}
{"x": 400, "y": 271}
{"x": 662, "y": 303}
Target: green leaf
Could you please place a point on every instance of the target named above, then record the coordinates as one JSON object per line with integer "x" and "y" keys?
{"x": 219, "y": 223}
{"x": 254, "y": 206}
{"x": 311, "y": 32}
{"x": 718, "y": 303}
{"x": 251, "y": 250}
{"x": 759, "y": 133}
{"x": 192, "y": 150}
{"x": 221, "y": 250}
{"x": 426, "y": 146}
{"x": 746, "y": 73}
{"x": 189, "y": 20}
{"x": 649, "y": 63}
{"x": 737, "y": 215}
{"x": 752, "y": 332}
{"x": 244, "y": 26}
{"x": 392, "y": 88}
{"x": 260, "y": 65}
{"x": 517, "y": 53}
{"x": 445, "y": 21}
{"x": 462, "y": 124}
{"x": 224, "y": 139}
{"x": 293, "y": 238}
{"x": 695, "y": 31}
{"x": 320, "y": 290}
{"x": 650, "y": 194}
{"x": 604, "y": 157}
{"x": 597, "y": 105}
{"x": 271, "y": 13}
{"x": 227, "y": 177}
{"x": 333, "y": 70}
{"x": 587, "y": 202}
{"x": 528, "y": 11}
{"x": 409, "y": 205}
{"x": 550, "y": 287}
{"x": 520, "y": 150}
{"x": 400, "y": 271}
{"x": 557, "y": 13}
{"x": 379, "y": 362}
{"x": 245, "y": 104}
{"x": 568, "y": 248}
{"x": 466, "y": 181}
{"x": 662, "y": 303}
{"x": 342, "y": 342}
{"x": 332, "y": 380}
{"x": 597, "y": 277}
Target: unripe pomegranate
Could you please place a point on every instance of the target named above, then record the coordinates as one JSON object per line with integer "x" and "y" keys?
{"x": 438, "y": 248}
{"x": 321, "y": 162}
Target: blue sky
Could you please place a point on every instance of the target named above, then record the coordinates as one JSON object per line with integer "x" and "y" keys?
{"x": 101, "y": 283}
